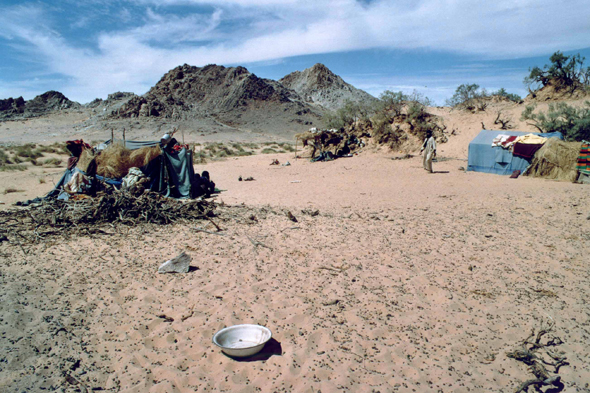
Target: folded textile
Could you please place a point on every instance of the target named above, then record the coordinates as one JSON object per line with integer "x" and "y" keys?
{"x": 531, "y": 139}
{"x": 505, "y": 141}
{"x": 584, "y": 158}
{"x": 526, "y": 150}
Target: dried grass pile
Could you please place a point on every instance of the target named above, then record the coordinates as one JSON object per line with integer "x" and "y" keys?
{"x": 108, "y": 207}
{"x": 116, "y": 160}
{"x": 556, "y": 160}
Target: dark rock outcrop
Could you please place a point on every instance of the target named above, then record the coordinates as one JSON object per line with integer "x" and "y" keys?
{"x": 49, "y": 102}
{"x": 231, "y": 95}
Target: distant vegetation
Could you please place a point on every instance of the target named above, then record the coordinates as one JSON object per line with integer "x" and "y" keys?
{"x": 564, "y": 73}
{"x": 472, "y": 97}
{"x": 212, "y": 151}
{"x": 389, "y": 120}
{"x": 572, "y": 122}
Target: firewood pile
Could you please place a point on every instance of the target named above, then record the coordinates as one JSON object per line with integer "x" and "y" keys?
{"x": 107, "y": 207}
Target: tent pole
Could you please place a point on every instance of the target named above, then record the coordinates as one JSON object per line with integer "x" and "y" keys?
{"x": 123, "y": 137}
{"x": 112, "y": 135}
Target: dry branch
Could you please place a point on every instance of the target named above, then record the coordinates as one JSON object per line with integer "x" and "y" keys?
{"x": 529, "y": 355}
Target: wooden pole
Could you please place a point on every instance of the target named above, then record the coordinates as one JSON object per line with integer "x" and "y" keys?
{"x": 123, "y": 137}
{"x": 183, "y": 136}
{"x": 112, "y": 136}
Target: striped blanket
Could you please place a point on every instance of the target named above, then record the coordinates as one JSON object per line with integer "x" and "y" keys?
{"x": 584, "y": 158}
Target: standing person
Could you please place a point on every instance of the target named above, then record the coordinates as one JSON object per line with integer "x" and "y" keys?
{"x": 429, "y": 149}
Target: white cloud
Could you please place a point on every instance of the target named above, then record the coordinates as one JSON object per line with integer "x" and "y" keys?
{"x": 241, "y": 31}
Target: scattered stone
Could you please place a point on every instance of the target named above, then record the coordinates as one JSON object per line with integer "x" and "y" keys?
{"x": 180, "y": 264}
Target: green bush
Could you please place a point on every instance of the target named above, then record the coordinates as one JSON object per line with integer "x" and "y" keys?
{"x": 287, "y": 147}
{"x": 391, "y": 102}
{"x": 503, "y": 93}
{"x": 572, "y": 122}
{"x": 8, "y": 168}
{"x": 268, "y": 151}
{"x": 469, "y": 97}
{"x": 53, "y": 162}
{"x": 4, "y": 159}
{"x": 346, "y": 116}
{"x": 27, "y": 151}
{"x": 565, "y": 72}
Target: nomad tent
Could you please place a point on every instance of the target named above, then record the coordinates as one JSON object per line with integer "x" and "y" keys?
{"x": 483, "y": 157}
{"x": 170, "y": 173}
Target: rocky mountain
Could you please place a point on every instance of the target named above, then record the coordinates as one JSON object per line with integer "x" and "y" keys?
{"x": 49, "y": 102}
{"x": 232, "y": 96}
{"x": 322, "y": 87}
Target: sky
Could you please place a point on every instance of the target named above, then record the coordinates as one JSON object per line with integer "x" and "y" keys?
{"x": 89, "y": 49}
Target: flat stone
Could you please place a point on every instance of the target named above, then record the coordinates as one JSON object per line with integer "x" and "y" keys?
{"x": 179, "y": 264}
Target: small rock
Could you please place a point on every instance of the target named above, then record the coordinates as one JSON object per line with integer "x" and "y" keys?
{"x": 180, "y": 264}
{"x": 461, "y": 168}
{"x": 291, "y": 216}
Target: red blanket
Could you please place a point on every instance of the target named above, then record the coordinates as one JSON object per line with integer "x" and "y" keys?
{"x": 525, "y": 150}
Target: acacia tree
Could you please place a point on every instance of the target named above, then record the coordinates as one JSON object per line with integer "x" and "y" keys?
{"x": 469, "y": 96}
{"x": 564, "y": 72}
{"x": 572, "y": 122}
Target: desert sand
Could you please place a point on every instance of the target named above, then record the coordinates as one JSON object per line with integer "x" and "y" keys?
{"x": 391, "y": 280}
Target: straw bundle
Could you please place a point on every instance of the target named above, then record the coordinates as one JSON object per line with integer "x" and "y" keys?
{"x": 556, "y": 160}
{"x": 116, "y": 160}
{"x": 87, "y": 162}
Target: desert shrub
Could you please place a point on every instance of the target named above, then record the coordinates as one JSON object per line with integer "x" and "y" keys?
{"x": 28, "y": 151}
{"x": 7, "y": 168}
{"x": 53, "y": 162}
{"x": 238, "y": 147}
{"x": 287, "y": 147}
{"x": 41, "y": 180}
{"x": 4, "y": 159}
{"x": 469, "y": 97}
{"x": 224, "y": 151}
{"x": 34, "y": 162}
{"x": 200, "y": 157}
{"x": 572, "y": 122}
{"x": 350, "y": 113}
{"x": 55, "y": 148}
{"x": 564, "y": 72}
{"x": 251, "y": 145}
{"x": 503, "y": 93}
{"x": 391, "y": 102}
{"x": 268, "y": 150}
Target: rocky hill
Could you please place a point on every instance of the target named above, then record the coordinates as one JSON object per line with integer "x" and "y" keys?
{"x": 322, "y": 87}
{"x": 232, "y": 96}
{"x": 49, "y": 102}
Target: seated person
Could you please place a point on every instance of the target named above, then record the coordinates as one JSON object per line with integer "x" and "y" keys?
{"x": 202, "y": 185}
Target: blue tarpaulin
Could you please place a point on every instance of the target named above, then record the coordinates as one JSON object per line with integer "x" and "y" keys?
{"x": 485, "y": 158}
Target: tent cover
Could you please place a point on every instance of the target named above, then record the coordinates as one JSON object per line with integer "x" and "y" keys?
{"x": 170, "y": 174}
{"x": 482, "y": 157}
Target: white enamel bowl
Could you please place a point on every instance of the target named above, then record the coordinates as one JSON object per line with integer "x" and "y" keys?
{"x": 242, "y": 340}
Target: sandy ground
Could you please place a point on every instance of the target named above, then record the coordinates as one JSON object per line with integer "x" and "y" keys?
{"x": 391, "y": 280}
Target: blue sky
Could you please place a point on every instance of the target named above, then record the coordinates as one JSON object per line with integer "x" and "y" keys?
{"x": 88, "y": 49}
